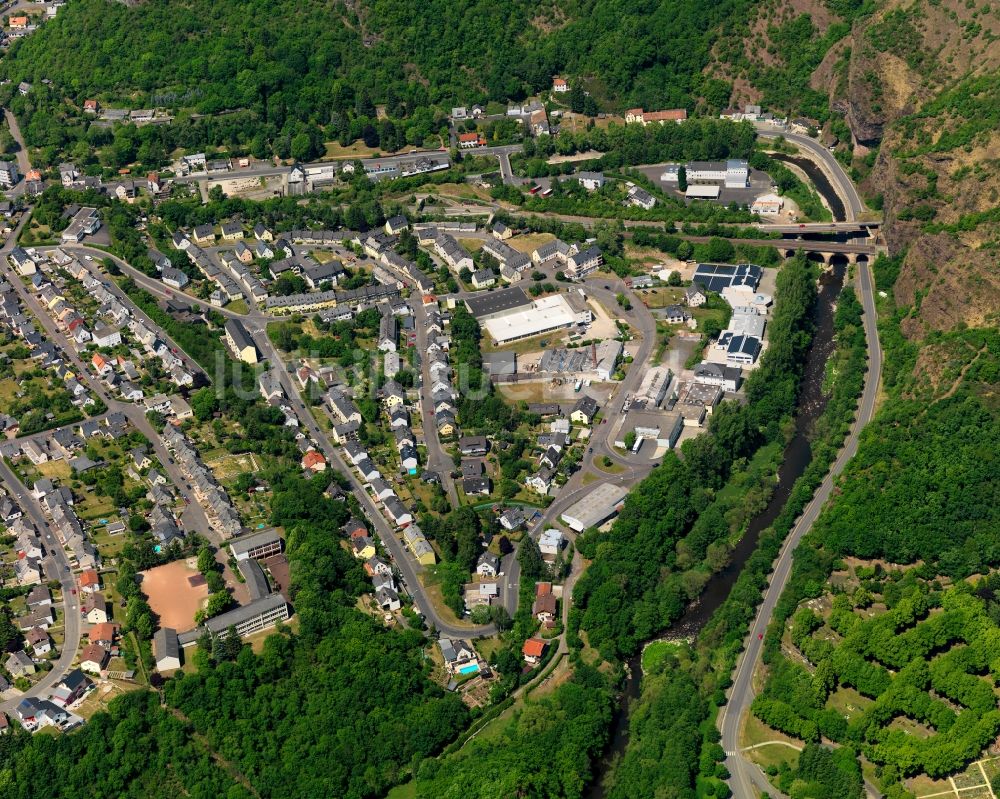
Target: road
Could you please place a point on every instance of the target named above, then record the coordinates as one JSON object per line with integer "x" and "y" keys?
{"x": 437, "y": 459}
{"x": 745, "y": 775}
{"x": 403, "y": 560}
{"x": 853, "y": 205}
{"x": 70, "y": 607}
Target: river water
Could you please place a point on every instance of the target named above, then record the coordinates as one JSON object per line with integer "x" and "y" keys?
{"x": 797, "y": 456}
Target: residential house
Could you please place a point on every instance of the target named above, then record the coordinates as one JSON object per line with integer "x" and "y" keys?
{"x": 94, "y": 658}
{"x": 695, "y": 295}
{"x": 544, "y": 608}
{"x": 534, "y": 650}
{"x": 584, "y": 411}
{"x": 39, "y": 641}
{"x": 488, "y": 565}
{"x": 18, "y": 664}
{"x": 314, "y": 461}
{"x": 94, "y": 608}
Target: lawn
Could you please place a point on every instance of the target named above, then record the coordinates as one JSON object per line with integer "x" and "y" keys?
{"x": 238, "y": 306}
{"x": 357, "y": 149}
{"x": 55, "y": 469}
{"x": 655, "y": 653}
{"x": 472, "y": 245}
{"x": 613, "y": 468}
{"x": 661, "y": 297}
{"x": 529, "y": 242}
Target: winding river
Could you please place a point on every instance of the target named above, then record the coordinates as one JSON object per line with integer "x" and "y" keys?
{"x": 797, "y": 456}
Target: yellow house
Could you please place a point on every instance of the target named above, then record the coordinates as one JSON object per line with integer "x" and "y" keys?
{"x": 584, "y": 411}
{"x": 425, "y": 555}
{"x": 363, "y": 548}
{"x": 239, "y": 342}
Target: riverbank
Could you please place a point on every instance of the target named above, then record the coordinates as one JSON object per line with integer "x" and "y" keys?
{"x": 795, "y": 460}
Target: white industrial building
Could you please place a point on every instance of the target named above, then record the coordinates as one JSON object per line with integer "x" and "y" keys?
{"x": 543, "y": 315}
{"x": 603, "y": 502}
{"x": 732, "y": 174}
{"x": 698, "y": 192}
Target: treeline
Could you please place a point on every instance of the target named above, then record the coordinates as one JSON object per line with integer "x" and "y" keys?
{"x": 714, "y": 653}
{"x": 480, "y": 406}
{"x": 134, "y": 750}
{"x": 635, "y": 585}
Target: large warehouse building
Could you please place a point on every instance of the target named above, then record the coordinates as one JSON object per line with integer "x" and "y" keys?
{"x": 596, "y": 508}
{"x": 543, "y": 315}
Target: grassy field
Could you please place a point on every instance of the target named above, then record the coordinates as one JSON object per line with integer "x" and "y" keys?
{"x": 356, "y": 150}
{"x": 472, "y": 245}
{"x": 55, "y": 469}
{"x": 529, "y": 242}
{"x": 662, "y": 297}
{"x": 238, "y": 306}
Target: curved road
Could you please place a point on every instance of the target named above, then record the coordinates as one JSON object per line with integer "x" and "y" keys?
{"x": 746, "y": 777}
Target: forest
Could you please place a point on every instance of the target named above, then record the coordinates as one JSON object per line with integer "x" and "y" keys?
{"x": 136, "y": 750}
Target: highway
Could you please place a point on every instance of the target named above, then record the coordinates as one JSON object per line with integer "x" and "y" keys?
{"x": 745, "y": 776}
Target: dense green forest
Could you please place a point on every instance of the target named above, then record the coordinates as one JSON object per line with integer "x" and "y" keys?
{"x": 309, "y": 60}
{"x": 136, "y": 751}
{"x": 284, "y": 78}
{"x": 544, "y": 751}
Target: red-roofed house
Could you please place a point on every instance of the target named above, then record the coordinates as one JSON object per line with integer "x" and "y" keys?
{"x": 533, "y": 650}
{"x": 103, "y": 634}
{"x": 637, "y": 115}
{"x": 469, "y": 140}
{"x": 100, "y": 364}
{"x": 90, "y": 581}
{"x": 18, "y": 23}
{"x": 314, "y": 461}
{"x": 91, "y": 106}
{"x": 560, "y": 85}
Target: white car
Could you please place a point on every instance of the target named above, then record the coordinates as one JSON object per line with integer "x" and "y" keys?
{"x": 88, "y": 258}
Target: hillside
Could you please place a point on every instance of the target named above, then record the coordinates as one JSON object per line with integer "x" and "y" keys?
{"x": 305, "y": 60}
{"x": 923, "y": 102}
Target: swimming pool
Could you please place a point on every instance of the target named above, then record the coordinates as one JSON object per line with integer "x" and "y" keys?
{"x": 472, "y": 668}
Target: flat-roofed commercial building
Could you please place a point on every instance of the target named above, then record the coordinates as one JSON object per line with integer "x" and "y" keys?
{"x": 496, "y": 303}
{"x": 595, "y": 508}
{"x": 543, "y": 315}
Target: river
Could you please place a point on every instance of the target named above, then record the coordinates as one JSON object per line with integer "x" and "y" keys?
{"x": 819, "y": 180}
{"x": 797, "y": 455}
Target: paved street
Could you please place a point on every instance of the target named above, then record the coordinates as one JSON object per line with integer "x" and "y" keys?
{"x": 747, "y": 777}
{"x": 402, "y": 558}
{"x": 70, "y": 610}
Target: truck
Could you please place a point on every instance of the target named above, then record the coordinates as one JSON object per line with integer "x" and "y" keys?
{"x": 578, "y": 386}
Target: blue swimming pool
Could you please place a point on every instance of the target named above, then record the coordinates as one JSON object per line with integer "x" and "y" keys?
{"x": 472, "y": 668}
